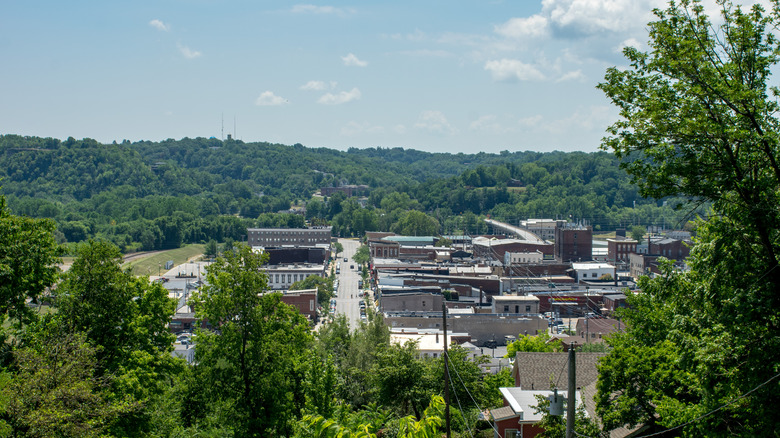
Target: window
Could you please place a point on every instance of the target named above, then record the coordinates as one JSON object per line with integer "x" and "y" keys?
{"x": 528, "y": 309}
{"x": 506, "y": 309}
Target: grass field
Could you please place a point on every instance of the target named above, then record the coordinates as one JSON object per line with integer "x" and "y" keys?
{"x": 152, "y": 265}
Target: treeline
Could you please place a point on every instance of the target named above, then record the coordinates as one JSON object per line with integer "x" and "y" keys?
{"x": 158, "y": 195}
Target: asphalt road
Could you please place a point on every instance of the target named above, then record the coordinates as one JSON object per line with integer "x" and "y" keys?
{"x": 348, "y": 301}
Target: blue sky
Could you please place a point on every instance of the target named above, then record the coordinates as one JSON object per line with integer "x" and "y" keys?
{"x": 440, "y": 76}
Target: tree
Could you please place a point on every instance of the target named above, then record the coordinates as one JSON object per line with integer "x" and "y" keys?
{"x": 697, "y": 122}
{"x": 541, "y": 343}
{"x": 638, "y": 233}
{"x": 338, "y": 248}
{"x": 57, "y": 390}
{"x": 210, "y": 250}
{"x": 324, "y": 287}
{"x": 362, "y": 255}
{"x": 126, "y": 320}
{"x": 250, "y": 357}
{"x": 29, "y": 258}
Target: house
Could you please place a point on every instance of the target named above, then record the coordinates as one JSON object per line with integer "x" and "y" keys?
{"x": 594, "y": 329}
{"x": 519, "y": 417}
{"x": 592, "y": 271}
{"x": 525, "y": 304}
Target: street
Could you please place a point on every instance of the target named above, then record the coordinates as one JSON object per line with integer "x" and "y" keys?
{"x": 348, "y": 301}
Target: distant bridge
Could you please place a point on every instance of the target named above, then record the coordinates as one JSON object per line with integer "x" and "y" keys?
{"x": 520, "y": 233}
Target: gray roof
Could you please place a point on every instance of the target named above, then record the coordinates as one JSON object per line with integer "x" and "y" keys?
{"x": 536, "y": 370}
{"x": 502, "y": 413}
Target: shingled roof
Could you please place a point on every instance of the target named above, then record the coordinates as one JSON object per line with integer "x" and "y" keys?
{"x": 536, "y": 370}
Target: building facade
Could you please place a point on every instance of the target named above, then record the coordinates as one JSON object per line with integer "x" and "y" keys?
{"x": 574, "y": 243}
{"x": 274, "y": 237}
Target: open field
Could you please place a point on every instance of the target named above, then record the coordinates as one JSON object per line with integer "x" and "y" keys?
{"x": 155, "y": 261}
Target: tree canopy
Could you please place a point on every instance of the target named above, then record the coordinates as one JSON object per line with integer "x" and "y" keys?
{"x": 698, "y": 119}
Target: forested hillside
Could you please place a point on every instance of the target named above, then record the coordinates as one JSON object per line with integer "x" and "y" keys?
{"x": 153, "y": 195}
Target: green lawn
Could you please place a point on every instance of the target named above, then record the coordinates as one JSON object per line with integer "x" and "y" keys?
{"x": 152, "y": 265}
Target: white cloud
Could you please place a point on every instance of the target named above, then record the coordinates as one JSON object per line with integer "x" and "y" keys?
{"x": 189, "y": 53}
{"x": 434, "y": 121}
{"x": 488, "y": 123}
{"x": 353, "y": 61}
{"x": 399, "y": 129}
{"x": 591, "y": 16}
{"x": 631, "y": 42}
{"x": 318, "y": 86}
{"x": 530, "y": 122}
{"x": 575, "y": 75}
{"x": 533, "y": 26}
{"x": 268, "y": 98}
{"x": 354, "y": 128}
{"x": 342, "y": 97}
{"x": 321, "y": 10}
{"x": 513, "y": 70}
{"x": 159, "y": 25}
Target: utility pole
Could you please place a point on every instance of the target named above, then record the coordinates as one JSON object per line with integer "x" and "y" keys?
{"x": 571, "y": 401}
{"x": 446, "y": 372}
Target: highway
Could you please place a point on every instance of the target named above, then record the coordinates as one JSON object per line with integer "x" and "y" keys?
{"x": 348, "y": 302}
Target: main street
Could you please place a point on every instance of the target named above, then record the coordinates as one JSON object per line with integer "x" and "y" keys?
{"x": 348, "y": 301}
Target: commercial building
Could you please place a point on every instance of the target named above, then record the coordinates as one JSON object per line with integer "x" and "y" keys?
{"x": 276, "y": 237}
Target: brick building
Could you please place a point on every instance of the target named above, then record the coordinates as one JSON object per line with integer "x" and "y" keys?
{"x": 574, "y": 243}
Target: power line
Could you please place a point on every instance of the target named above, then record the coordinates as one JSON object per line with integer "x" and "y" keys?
{"x": 455, "y": 393}
{"x": 700, "y": 417}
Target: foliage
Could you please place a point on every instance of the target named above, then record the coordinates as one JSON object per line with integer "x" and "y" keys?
{"x": 159, "y": 195}
{"x": 555, "y": 426}
{"x": 362, "y": 255}
{"x": 251, "y": 356}
{"x": 542, "y": 343}
{"x": 28, "y": 263}
{"x": 324, "y": 287}
{"x": 337, "y": 248}
{"x": 638, "y": 233}
{"x": 697, "y": 121}
{"x": 125, "y": 319}
{"x": 57, "y": 391}
{"x": 210, "y": 250}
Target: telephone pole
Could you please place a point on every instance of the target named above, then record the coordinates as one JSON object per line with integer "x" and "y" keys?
{"x": 571, "y": 401}
{"x": 446, "y": 372}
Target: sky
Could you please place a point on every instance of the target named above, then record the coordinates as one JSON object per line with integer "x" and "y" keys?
{"x": 438, "y": 76}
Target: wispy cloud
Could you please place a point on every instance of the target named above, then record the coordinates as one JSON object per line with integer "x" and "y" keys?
{"x": 533, "y": 26}
{"x": 434, "y": 121}
{"x": 268, "y": 98}
{"x": 352, "y": 61}
{"x": 575, "y": 75}
{"x": 318, "y": 86}
{"x": 189, "y": 53}
{"x": 339, "y": 98}
{"x": 354, "y": 128}
{"x": 513, "y": 70}
{"x": 159, "y": 25}
{"x": 321, "y": 10}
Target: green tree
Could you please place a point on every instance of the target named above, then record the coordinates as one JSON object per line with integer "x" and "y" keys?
{"x": 362, "y": 255}
{"x": 324, "y": 287}
{"x": 337, "y": 248}
{"x": 542, "y": 343}
{"x": 210, "y": 250}
{"x": 416, "y": 223}
{"x": 126, "y": 320}
{"x": 57, "y": 390}
{"x": 697, "y": 121}
{"x": 29, "y": 258}
{"x": 250, "y": 358}
{"x": 403, "y": 379}
{"x": 638, "y": 233}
